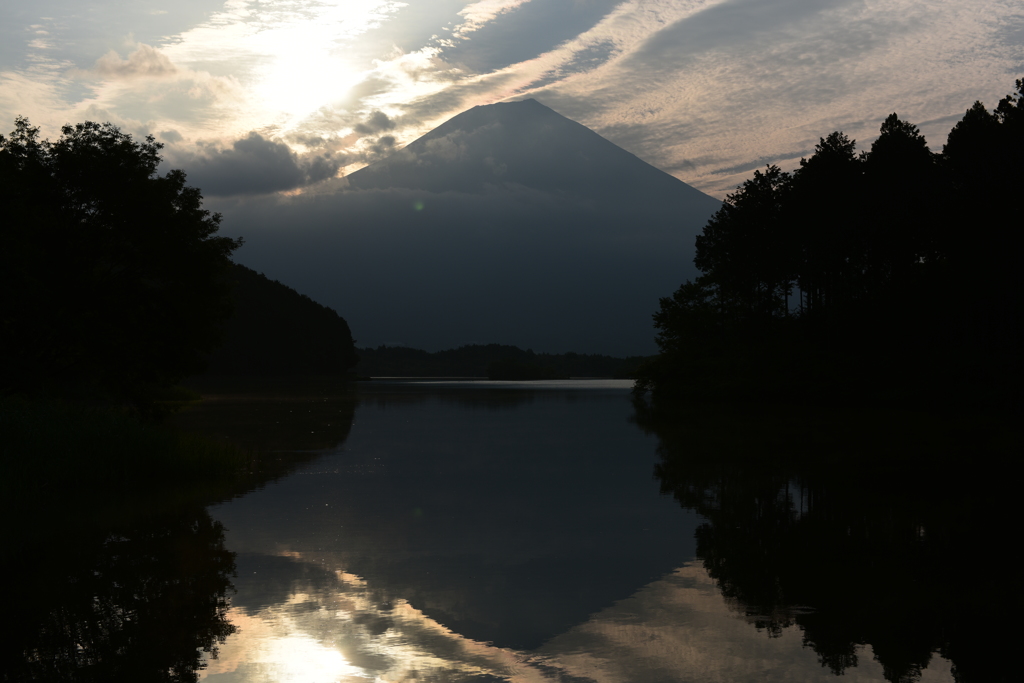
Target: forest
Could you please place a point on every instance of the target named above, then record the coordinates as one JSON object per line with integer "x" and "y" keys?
{"x": 274, "y": 330}
{"x": 116, "y": 285}
{"x": 887, "y": 274}
{"x": 114, "y": 279}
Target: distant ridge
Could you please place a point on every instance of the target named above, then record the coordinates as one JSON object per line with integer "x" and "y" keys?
{"x": 478, "y": 361}
{"x": 507, "y": 224}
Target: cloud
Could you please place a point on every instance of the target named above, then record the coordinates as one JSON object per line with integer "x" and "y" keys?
{"x": 256, "y": 165}
{"x": 377, "y": 122}
{"x": 736, "y": 22}
{"x": 24, "y": 94}
{"x": 765, "y": 161}
{"x": 522, "y": 31}
{"x": 713, "y": 86}
{"x": 144, "y": 62}
{"x": 383, "y": 146}
{"x": 478, "y": 14}
{"x": 699, "y": 87}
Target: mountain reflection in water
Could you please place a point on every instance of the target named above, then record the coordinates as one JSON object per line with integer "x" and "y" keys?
{"x": 507, "y": 515}
{"x": 471, "y": 534}
{"x": 514, "y": 532}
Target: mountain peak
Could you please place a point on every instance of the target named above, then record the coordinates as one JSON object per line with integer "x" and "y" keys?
{"x": 516, "y": 144}
{"x": 508, "y": 223}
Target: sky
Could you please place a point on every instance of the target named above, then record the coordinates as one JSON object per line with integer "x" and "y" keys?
{"x": 257, "y": 97}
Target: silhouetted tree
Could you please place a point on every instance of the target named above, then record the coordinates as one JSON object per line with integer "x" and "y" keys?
{"x": 983, "y": 237}
{"x": 983, "y": 153}
{"x": 715, "y": 327}
{"x": 827, "y": 230}
{"x": 904, "y": 203}
{"x": 743, "y": 249}
{"x": 113, "y": 275}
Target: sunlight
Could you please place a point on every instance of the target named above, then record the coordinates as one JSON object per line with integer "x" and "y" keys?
{"x": 272, "y": 647}
{"x": 303, "y": 67}
{"x": 292, "y": 55}
{"x": 322, "y": 636}
{"x": 304, "y": 660}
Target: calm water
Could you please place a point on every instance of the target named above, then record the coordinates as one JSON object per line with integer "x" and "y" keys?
{"x": 501, "y": 531}
{"x": 456, "y": 531}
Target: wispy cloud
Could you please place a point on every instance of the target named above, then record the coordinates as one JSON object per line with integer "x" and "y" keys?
{"x": 734, "y": 82}
{"x": 702, "y": 88}
{"x": 478, "y": 14}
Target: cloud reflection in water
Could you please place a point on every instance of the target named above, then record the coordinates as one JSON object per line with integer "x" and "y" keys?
{"x": 334, "y": 626}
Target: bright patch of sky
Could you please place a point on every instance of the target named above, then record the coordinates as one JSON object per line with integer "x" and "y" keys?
{"x": 707, "y": 90}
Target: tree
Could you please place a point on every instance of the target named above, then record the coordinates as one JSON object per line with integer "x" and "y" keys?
{"x": 905, "y": 261}
{"x": 827, "y": 231}
{"x": 744, "y": 249}
{"x": 905, "y": 205}
{"x": 114, "y": 277}
{"x": 983, "y": 153}
{"x": 983, "y": 240}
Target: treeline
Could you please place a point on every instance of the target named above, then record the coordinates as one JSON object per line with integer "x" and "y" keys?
{"x": 113, "y": 278}
{"x": 890, "y": 273}
{"x": 496, "y": 361}
{"x": 274, "y": 330}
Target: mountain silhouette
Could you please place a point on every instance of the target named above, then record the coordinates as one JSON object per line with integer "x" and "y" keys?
{"x": 518, "y": 144}
{"x": 507, "y": 224}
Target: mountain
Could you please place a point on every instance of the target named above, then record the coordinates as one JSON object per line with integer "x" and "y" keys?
{"x": 519, "y": 144}
{"x": 507, "y": 224}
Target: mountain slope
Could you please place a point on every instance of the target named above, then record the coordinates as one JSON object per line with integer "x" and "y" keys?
{"x": 507, "y": 224}
{"x": 523, "y": 144}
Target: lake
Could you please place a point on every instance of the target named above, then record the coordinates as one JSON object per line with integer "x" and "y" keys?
{"x": 543, "y": 531}
{"x": 483, "y": 531}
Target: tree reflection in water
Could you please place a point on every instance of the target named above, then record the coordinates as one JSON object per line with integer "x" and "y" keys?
{"x": 890, "y": 530}
{"x": 129, "y": 581}
{"x": 136, "y": 601}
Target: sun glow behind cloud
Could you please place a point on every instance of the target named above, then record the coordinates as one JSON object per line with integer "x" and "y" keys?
{"x": 292, "y": 56}
{"x": 704, "y": 89}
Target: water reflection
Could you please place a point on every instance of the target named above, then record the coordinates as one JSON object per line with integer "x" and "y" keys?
{"x": 134, "y": 585}
{"x": 137, "y": 601}
{"x": 877, "y": 529}
{"x": 510, "y": 534}
{"x": 506, "y": 525}
{"x": 290, "y": 419}
{"x": 300, "y": 621}
{"x": 515, "y": 533}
